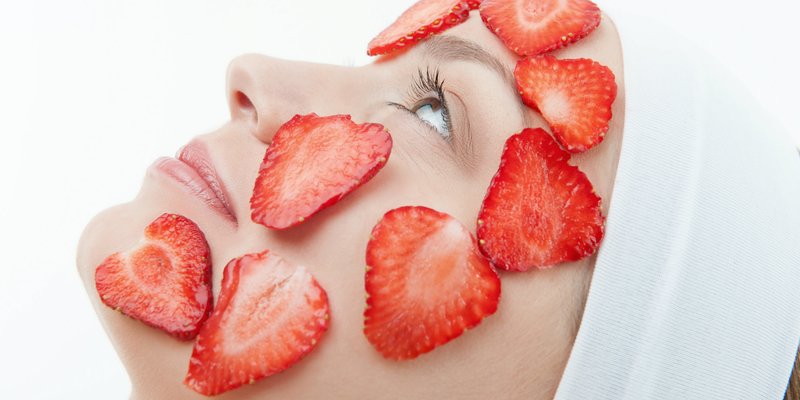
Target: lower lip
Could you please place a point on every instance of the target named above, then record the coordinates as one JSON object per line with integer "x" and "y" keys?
{"x": 191, "y": 182}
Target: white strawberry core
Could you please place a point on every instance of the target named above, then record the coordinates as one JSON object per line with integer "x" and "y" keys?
{"x": 150, "y": 265}
{"x": 531, "y": 14}
{"x": 267, "y": 298}
{"x": 441, "y": 261}
{"x": 555, "y": 106}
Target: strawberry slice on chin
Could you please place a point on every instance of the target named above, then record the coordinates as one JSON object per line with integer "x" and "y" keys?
{"x": 421, "y": 20}
{"x": 574, "y": 96}
{"x": 539, "y": 210}
{"x": 165, "y": 281}
{"x": 270, "y": 315}
{"x": 426, "y": 283}
{"x": 312, "y": 163}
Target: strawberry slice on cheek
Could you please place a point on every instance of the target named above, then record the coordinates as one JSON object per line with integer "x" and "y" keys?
{"x": 312, "y": 163}
{"x": 164, "y": 282}
{"x": 270, "y": 314}
{"x": 426, "y": 283}
{"x": 539, "y": 210}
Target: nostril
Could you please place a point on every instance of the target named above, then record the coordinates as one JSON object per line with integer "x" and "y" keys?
{"x": 245, "y": 106}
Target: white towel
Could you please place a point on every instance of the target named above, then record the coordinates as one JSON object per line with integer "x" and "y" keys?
{"x": 696, "y": 289}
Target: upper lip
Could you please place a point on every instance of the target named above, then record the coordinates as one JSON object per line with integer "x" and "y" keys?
{"x": 195, "y": 154}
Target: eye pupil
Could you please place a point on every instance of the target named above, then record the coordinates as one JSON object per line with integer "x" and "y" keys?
{"x": 434, "y": 104}
{"x": 432, "y": 113}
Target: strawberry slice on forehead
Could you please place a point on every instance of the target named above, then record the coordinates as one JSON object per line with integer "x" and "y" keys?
{"x": 423, "y": 19}
{"x": 574, "y": 96}
{"x": 531, "y": 27}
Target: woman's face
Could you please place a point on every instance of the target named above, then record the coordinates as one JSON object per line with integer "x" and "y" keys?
{"x": 518, "y": 352}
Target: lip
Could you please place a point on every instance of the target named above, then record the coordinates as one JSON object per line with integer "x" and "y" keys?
{"x": 193, "y": 169}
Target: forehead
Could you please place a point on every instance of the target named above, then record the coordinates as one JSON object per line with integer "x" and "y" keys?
{"x": 473, "y": 42}
{"x": 475, "y": 31}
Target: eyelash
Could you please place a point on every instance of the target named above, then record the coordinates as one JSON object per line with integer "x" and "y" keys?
{"x": 421, "y": 87}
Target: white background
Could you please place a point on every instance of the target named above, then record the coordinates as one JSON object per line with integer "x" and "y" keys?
{"x": 92, "y": 92}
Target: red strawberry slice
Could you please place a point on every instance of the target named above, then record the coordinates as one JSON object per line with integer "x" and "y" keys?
{"x": 269, "y": 316}
{"x": 165, "y": 281}
{"x": 426, "y": 282}
{"x": 530, "y": 27}
{"x": 312, "y": 163}
{"x": 539, "y": 210}
{"x": 574, "y": 97}
{"x": 423, "y": 19}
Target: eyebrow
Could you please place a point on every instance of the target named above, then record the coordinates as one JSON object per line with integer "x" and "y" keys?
{"x": 446, "y": 48}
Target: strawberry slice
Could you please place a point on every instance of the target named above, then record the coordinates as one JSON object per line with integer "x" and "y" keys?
{"x": 165, "y": 281}
{"x": 426, "y": 282}
{"x": 574, "y": 97}
{"x": 539, "y": 210}
{"x": 423, "y": 19}
{"x": 530, "y": 27}
{"x": 312, "y": 163}
{"x": 270, "y": 315}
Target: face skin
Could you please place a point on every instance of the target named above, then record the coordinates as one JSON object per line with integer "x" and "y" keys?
{"x": 519, "y": 352}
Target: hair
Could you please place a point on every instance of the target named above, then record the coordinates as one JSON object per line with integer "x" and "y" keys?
{"x": 793, "y": 388}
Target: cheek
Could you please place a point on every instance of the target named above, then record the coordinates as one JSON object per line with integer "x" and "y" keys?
{"x": 423, "y": 171}
{"x": 337, "y": 236}
{"x": 332, "y": 244}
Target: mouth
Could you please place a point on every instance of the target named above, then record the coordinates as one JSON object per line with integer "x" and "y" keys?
{"x": 193, "y": 169}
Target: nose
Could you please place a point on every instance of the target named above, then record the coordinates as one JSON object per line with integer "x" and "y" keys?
{"x": 264, "y": 92}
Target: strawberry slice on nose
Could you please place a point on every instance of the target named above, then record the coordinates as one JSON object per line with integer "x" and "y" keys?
{"x": 165, "y": 281}
{"x": 312, "y": 163}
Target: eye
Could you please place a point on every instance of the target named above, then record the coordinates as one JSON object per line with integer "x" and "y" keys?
{"x": 427, "y": 95}
{"x": 432, "y": 112}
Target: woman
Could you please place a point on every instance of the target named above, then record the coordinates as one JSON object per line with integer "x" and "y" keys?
{"x": 647, "y": 327}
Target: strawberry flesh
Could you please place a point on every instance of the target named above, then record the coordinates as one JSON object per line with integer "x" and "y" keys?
{"x": 423, "y": 19}
{"x": 531, "y": 27}
{"x": 270, "y": 315}
{"x": 312, "y": 163}
{"x": 539, "y": 210}
{"x": 426, "y": 282}
{"x": 574, "y": 97}
{"x": 165, "y": 281}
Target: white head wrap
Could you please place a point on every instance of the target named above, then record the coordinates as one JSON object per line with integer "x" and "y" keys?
{"x": 696, "y": 288}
